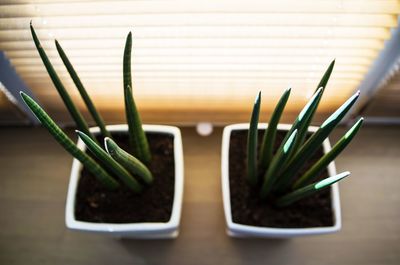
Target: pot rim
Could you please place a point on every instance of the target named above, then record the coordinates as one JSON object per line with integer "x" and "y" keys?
{"x": 236, "y": 229}
{"x": 136, "y": 228}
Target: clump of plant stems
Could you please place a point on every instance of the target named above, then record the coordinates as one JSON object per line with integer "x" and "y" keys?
{"x": 129, "y": 169}
{"x": 276, "y": 174}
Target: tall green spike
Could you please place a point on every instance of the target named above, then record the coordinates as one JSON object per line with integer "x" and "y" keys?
{"x": 324, "y": 161}
{"x": 303, "y": 115}
{"x": 309, "y": 190}
{"x": 307, "y": 121}
{"x": 281, "y": 156}
{"x": 68, "y": 145}
{"x": 270, "y": 133}
{"x": 137, "y": 137}
{"x": 313, "y": 143}
{"x": 325, "y": 78}
{"x": 73, "y": 110}
{"x": 85, "y": 96}
{"x": 252, "y": 142}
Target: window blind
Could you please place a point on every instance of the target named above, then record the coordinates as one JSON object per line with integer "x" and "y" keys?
{"x": 198, "y": 60}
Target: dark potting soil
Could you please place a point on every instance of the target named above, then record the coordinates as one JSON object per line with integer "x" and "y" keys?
{"x": 94, "y": 203}
{"x": 248, "y": 209}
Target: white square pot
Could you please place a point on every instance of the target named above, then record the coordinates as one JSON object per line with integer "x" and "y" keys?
{"x": 150, "y": 230}
{"x": 240, "y": 230}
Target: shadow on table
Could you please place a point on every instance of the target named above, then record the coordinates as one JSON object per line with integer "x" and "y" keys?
{"x": 149, "y": 251}
{"x": 260, "y": 251}
{"x": 220, "y": 251}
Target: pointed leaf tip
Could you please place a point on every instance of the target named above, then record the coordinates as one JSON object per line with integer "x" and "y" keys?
{"x": 80, "y": 134}
{"x": 106, "y": 140}
{"x": 329, "y": 181}
{"x": 24, "y": 96}
{"x": 258, "y": 97}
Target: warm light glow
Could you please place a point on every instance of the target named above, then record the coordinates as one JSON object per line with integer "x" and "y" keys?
{"x": 199, "y": 56}
{"x": 303, "y": 61}
{"x": 217, "y": 43}
{"x": 202, "y": 67}
{"x": 267, "y": 32}
{"x": 189, "y": 51}
{"x": 205, "y": 19}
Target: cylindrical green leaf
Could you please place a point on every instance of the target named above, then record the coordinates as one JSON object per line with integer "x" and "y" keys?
{"x": 309, "y": 190}
{"x": 111, "y": 164}
{"x": 252, "y": 142}
{"x": 307, "y": 120}
{"x": 267, "y": 145}
{"x": 137, "y": 137}
{"x": 73, "y": 110}
{"x": 281, "y": 156}
{"x": 304, "y": 113}
{"x": 325, "y": 78}
{"x": 128, "y": 161}
{"x": 85, "y": 96}
{"x": 68, "y": 145}
{"x": 313, "y": 143}
{"x": 319, "y": 166}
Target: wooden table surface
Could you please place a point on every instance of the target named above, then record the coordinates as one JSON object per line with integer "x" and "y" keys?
{"x": 33, "y": 185}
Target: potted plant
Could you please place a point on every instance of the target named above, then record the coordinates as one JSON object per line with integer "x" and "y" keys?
{"x": 285, "y": 185}
{"x": 133, "y": 185}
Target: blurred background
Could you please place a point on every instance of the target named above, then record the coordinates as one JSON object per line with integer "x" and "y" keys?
{"x": 203, "y": 61}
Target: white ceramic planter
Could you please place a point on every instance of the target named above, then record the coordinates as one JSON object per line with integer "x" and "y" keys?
{"x": 149, "y": 230}
{"x": 240, "y": 230}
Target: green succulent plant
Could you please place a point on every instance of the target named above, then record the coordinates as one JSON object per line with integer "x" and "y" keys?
{"x": 276, "y": 174}
{"x": 129, "y": 169}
